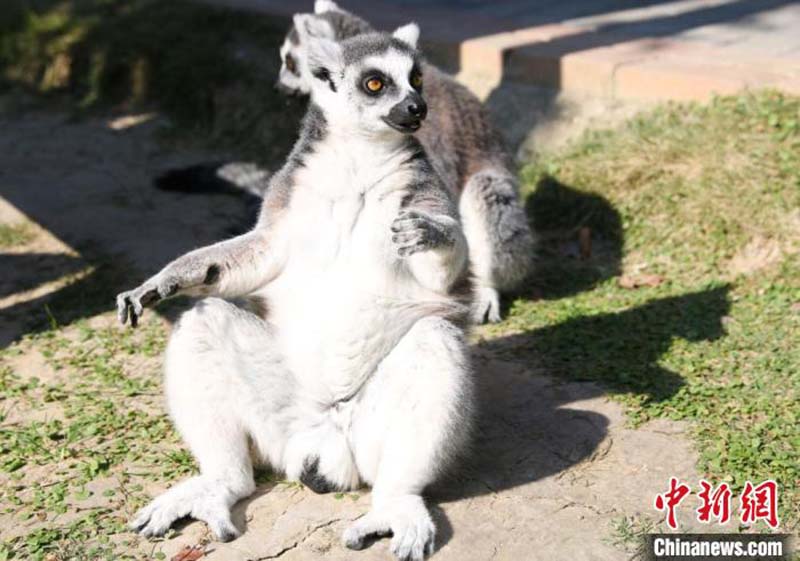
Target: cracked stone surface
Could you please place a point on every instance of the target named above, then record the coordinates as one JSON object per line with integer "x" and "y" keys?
{"x": 553, "y": 462}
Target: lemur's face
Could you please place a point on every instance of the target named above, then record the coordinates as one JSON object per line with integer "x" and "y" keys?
{"x": 385, "y": 90}
{"x": 372, "y": 82}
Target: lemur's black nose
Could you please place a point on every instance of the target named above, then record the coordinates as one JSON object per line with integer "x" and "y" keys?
{"x": 407, "y": 115}
{"x": 418, "y": 109}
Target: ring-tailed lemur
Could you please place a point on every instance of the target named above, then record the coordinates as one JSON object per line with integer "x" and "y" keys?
{"x": 463, "y": 146}
{"x": 356, "y": 368}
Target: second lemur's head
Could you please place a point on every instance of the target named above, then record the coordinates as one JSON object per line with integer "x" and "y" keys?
{"x": 370, "y": 83}
{"x": 334, "y": 23}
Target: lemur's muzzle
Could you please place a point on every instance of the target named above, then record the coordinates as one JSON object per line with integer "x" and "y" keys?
{"x": 407, "y": 116}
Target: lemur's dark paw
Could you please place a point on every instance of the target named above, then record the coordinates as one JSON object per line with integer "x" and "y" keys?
{"x": 415, "y": 231}
{"x": 132, "y": 303}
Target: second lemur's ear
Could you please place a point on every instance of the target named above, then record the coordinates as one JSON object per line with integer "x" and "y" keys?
{"x": 324, "y": 55}
{"x": 409, "y": 34}
{"x": 308, "y": 25}
{"x": 322, "y": 6}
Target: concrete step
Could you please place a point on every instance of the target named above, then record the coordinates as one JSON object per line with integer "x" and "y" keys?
{"x": 617, "y": 49}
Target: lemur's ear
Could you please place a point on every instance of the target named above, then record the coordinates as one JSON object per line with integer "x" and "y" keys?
{"x": 322, "y": 6}
{"x": 409, "y": 33}
{"x": 324, "y": 54}
{"x": 308, "y": 25}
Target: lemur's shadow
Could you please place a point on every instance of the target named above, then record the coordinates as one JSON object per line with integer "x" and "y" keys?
{"x": 559, "y": 213}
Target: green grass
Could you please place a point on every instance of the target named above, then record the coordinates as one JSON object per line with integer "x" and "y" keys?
{"x": 629, "y": 533}
{"x": 707, "y": 199}
{"x": 105, "y": 426}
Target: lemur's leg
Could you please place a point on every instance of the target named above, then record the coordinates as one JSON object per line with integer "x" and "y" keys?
{"x": 433, "y": 244}
{"x": 219, "y": 378}
{"x": 500, "y": 240}
{"x": 228, "y": 269}
{"x": 413, "y": 418}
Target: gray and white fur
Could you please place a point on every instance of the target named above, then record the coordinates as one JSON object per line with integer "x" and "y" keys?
{"x": 355, "y": 370}
{"x": 464, "y": 148}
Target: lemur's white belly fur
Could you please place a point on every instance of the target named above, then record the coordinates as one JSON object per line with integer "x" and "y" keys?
{"x": 342, "y": 271}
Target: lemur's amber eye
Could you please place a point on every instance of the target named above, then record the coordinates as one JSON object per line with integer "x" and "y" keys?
{"x": 416, "y": 80}
{"x": 374, "y": 84}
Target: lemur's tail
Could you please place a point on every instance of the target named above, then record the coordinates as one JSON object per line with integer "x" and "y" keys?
{"x": 215, "y": 177}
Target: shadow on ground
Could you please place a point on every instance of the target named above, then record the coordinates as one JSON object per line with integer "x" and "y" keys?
{"x": 531, "y": 424}
{"x": 559, "y": 213}
{"x": 210, "y": 70}
{"x": 34, "y": 269}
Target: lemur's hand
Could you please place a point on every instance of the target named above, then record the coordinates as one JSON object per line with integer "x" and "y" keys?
{"x": 416, "y": 231}
{"x": 133, "y": 301}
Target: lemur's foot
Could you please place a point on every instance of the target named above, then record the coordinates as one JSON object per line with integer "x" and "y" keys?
{"x": 195, "y": 497}
{"x": 416, "y": 231}
{"x": 406, "y": 519}
{"x": 486, "y": 307}
{"x": 132, "y": 302}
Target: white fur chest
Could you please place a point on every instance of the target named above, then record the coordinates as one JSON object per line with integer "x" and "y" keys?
{"x": 341, "y": 268}
{"x": 344, "y": 201}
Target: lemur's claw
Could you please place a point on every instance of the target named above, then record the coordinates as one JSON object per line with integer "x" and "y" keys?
{"x": 131, "y": 303}
{"x": 126, "y": 306}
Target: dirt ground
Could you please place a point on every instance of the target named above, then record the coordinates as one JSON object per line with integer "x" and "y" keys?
{"x": 555, "y": 472}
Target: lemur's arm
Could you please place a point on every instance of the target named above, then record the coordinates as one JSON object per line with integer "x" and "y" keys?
{"x": 228, "y": 269}
{"x": 231, "y": 268}
{"x": 428, "y": 234}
